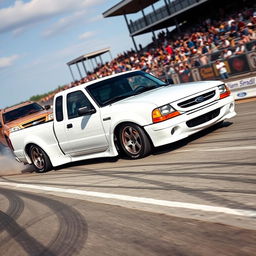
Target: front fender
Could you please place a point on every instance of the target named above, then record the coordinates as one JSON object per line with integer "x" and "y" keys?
{"x": 134, "y": 118}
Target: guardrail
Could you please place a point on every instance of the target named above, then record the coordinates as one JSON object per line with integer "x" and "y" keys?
{"x": 168, "y": 10}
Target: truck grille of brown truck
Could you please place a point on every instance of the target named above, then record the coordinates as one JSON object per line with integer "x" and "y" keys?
{"x": 34, "y": 122}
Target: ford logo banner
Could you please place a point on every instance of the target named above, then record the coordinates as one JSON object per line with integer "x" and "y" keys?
{"x": 241, "y": 94}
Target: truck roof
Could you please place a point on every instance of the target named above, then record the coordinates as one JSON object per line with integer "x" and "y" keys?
{"x": 16, "y": 106}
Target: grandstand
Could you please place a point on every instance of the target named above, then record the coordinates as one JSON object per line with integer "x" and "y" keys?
{"x": 227, "y": 32}
{"x": 171, "y": 13}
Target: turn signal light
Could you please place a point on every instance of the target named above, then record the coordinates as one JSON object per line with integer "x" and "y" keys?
{"x": 158, "y": 115}
{"x": 224, "y": 91}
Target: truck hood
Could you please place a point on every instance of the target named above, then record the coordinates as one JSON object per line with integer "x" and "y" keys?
{"x": 170, "y": 93}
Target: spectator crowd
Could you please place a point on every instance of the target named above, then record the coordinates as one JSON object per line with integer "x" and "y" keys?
{"x": 196, "y": 46}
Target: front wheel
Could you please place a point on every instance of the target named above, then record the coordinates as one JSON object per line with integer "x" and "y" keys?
{"x": 133, "y": 141}
{"x": 39, "y": 159}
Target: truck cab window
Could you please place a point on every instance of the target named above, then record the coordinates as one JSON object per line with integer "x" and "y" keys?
{"x": 59, "y": 109}
{"x": 76, "y": 100}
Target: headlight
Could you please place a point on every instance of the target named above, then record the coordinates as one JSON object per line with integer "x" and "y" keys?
{"x": 224, "y": 91}
{"x": 15, "y": 129}
{"x": 164, "y": 113}
{"x": 50, "y": 117}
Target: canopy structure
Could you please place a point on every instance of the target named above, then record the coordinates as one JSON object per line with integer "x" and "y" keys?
{"x": 84, "y": 58}
{"x": 128, "y": 7}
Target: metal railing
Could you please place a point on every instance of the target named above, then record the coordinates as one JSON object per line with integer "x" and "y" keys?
{"x": 171, "y": 9}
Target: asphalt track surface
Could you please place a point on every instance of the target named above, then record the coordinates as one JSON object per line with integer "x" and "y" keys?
{"x": 196, "y": 197}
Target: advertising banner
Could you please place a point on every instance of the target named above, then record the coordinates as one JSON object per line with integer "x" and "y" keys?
{"x": 238, "y": 64}
{"x": 246, "y": 82}
{"x": 175, "y": 79}
{"x": 249, "y": 92}
{"x": 195, "y": 74}
{"x": 186, "y": 77}
{"x": 252, "y": 60}
{"x": 207, "y": 72}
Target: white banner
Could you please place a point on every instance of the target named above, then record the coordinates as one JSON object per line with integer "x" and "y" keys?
{"x": 244, "y": 93}
{"x": 246, "y": 82}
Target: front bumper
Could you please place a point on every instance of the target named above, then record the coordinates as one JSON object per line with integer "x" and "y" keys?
{"x": 176, "y": 128}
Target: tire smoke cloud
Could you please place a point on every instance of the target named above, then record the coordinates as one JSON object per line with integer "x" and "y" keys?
{"x": 8, "y": 164}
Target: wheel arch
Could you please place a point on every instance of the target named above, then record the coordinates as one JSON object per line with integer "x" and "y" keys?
{"x": 117, "y": 127}
{"x": 47, "y": 166}
{"x": 27, "y": 148}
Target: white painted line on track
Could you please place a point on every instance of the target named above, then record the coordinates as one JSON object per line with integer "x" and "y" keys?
{"x": 144, "y": 200}
{"x": 219, "y": 149}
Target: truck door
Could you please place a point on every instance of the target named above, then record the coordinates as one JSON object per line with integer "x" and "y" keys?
{"x": 79, "y": 135}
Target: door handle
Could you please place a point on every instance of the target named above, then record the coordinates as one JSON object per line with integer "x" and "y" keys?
{"x": 69, "y": 126}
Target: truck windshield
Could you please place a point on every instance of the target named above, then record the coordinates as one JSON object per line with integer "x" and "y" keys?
{"x": 21, "y": 112}
{"x": 123, "y": 86}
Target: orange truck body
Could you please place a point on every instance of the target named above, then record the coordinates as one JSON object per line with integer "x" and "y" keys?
{"x": 19, "y": 117}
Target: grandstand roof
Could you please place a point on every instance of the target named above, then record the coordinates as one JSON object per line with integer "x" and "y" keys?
{"x": 88, "y": 56}
{"x": 127, "y": 7}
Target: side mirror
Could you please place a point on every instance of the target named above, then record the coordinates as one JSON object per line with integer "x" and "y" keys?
{"x": 85, "y": 111}
{"x": 46, "y": 107}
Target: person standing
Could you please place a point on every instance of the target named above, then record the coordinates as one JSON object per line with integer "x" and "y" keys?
{"x": 221, "y": 67}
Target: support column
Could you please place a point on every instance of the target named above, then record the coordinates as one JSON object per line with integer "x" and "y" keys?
{"x": 167, "y": 7}
{"x": 133, "y": 40}
{"x": 85, "y": 70}
{"x": 92, "y": 65}
{"x": 111, "y": 55}
{"x": 154, "y": 34}
{"x": 101, "y": 60}
{"x": 79, "y": 70}
{"x": 71, "y": 73}
{"x": 154, "y": 10}
{"x": 144, "y": 17}
{"x": 135, "y": 46}
{"x": 177, "y": 25}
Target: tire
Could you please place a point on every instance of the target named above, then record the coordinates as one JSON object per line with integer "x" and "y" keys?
{"x": 133, "y": 141}
{"x": 39, "y": 159}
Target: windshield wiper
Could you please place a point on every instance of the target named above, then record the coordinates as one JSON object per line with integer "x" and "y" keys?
{"x": 141, "y": 89}
{"x": 114, "y": 99}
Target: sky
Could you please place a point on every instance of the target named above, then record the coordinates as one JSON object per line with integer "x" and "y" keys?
{"x": 38, "y": 38}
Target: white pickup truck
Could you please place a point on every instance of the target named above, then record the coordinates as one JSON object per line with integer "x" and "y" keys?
{"x": 127, "y": 113}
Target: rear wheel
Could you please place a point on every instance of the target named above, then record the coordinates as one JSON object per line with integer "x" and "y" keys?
{"x": 39, "y": 159}
{"x": 133, "y": 141}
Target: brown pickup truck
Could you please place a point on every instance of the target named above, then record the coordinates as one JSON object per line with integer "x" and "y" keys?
{"x": 21, "y": 116}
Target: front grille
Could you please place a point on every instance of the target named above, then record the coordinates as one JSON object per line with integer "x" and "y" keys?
{"x": 34, "y": 122}
{"x": 196, "y": 100}
{"x": 204, "y": 118}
